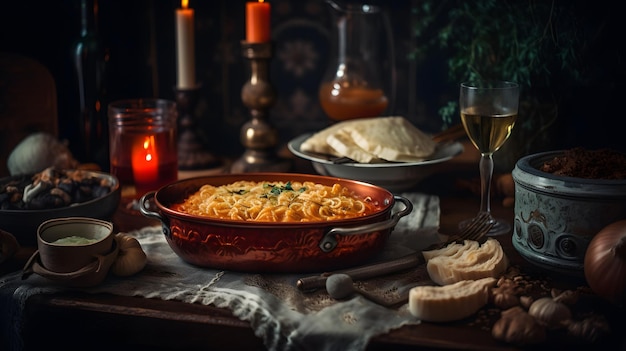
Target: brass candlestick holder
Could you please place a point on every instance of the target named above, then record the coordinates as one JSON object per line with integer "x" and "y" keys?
{"x": 193, "y": 153}
{"x": 258, "y": 135}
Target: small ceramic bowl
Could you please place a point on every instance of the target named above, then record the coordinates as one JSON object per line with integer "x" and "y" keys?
{"x": 69, "y": 244}
{"x": 74, "y": 251}
{"x": 90, "y": 275}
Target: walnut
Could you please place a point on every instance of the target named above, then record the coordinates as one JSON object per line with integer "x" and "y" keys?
{"x": 505, "y": 294}
{"x": 516, "y": 326}
{"x": 589, "y": 329}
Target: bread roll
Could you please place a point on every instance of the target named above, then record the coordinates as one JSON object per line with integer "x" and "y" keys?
{"x": 470, "y": 261}
{"x": 450, "y": 302}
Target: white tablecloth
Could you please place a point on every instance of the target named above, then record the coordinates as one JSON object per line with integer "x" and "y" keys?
{"x": 281, "y": 315}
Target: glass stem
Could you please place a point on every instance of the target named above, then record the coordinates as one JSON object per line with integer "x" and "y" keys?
{"x": 486, "y": 173}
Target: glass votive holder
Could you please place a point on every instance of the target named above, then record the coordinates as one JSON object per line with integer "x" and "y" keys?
{"x": 143, "y": 143}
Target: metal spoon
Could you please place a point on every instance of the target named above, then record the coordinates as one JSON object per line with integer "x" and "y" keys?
{"x": 340, "y": 286}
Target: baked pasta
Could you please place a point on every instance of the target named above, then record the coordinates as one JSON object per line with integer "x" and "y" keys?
{"x": 276, "y": 202}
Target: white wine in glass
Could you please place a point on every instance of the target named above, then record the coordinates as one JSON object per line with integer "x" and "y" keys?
{"x": 488, "y": 113}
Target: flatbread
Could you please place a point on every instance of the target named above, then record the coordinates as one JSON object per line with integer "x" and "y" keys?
{"x": 317, "y": 142}
{"x": 393, "y": 139}
{"x": 342, "y": 143}
{"x": 370, "y": 140}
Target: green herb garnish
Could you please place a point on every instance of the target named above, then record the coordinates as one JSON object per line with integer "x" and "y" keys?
{"x": 276, "y": 190}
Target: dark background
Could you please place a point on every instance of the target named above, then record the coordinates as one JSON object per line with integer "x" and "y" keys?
{"x": 138, "y": 38}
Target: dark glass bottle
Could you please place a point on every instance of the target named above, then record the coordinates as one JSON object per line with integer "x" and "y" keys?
{"x": 90, "y": 62}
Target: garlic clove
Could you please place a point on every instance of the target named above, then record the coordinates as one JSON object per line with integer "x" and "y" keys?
{"x": 131, "y": 258}
{"x": 549, "y": 312}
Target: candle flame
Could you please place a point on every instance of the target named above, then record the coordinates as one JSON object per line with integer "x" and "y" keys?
{"x": 261, "y": 1}
{"x": 148, "y": 146}
{"x": 184, "y": 3}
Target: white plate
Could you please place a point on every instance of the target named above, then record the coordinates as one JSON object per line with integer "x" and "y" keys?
{"x": 394, "y": 176}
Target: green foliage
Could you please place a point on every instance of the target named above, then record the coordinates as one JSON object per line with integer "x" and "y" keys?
{"x": 534, "y": 43}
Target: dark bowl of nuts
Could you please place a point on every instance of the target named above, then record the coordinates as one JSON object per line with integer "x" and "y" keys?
{"x": 26, "y": 201}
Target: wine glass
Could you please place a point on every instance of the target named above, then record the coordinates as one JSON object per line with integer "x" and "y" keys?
{"x": 488, "y": 113}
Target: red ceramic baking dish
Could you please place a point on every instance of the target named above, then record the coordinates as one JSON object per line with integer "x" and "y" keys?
{"x": 273, "y": 246}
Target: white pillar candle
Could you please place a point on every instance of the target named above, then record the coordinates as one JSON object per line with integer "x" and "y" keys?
{"x": 185, "y": 49}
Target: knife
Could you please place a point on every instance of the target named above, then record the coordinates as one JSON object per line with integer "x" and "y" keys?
{"x": 363, "y": 272}
{"x": 476, "y": 230}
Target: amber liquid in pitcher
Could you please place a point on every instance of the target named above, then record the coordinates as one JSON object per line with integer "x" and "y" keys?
{"x": 351, "y": 102}
{"x": 359, "y": 80}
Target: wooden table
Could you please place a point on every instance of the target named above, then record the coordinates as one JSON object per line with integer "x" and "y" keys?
{"x": 115, "y": 322}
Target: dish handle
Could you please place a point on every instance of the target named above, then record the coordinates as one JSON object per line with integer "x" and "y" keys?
{"x": 144, "y": 208}
{"x": 329, "y": 241}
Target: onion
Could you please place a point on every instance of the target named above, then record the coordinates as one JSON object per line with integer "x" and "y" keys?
{"x": 605, "y": 263}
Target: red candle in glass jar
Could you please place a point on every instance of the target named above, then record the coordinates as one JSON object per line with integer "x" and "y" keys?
{"x": 258, "y": 22}
{"x": 145, "y": 163}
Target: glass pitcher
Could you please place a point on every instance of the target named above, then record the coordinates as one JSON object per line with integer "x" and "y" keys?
{"x": 360, "y": 79}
